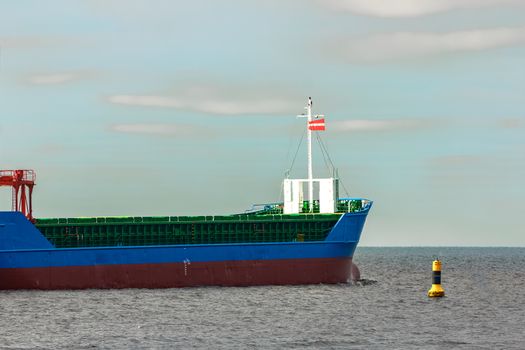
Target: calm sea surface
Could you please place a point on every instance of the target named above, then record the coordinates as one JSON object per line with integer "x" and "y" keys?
{"x": 484, "y": 309}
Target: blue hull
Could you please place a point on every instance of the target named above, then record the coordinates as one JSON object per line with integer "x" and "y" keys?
{"x": 28, "y": 260}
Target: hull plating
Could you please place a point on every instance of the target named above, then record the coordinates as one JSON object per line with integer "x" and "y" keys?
{"x": 169, "y": 275}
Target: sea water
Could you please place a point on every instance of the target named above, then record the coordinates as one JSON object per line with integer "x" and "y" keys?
{"x": 484, "y": 308}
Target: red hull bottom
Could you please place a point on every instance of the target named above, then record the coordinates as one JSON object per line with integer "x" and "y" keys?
{"x": 173, "y": 275}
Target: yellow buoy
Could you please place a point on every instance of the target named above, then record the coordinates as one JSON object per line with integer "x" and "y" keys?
{"x": 436, "y": 290}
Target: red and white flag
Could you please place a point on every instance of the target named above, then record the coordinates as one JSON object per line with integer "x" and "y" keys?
{"x": 316, "y": 125}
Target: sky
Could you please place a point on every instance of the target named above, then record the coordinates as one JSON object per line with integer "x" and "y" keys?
{"x": 184, "y": 108}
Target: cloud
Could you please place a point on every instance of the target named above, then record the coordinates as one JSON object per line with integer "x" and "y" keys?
{"x": 376, "y": 125}
{"x": 50, "y": 79}
{"x": 407, "y": 45}
{"x": 511, "y": 123}
{"x": 409, "y": 8}
{"x": 159, "y": 129}
{"x": 51, "y": 148}
{"x": 146, "y": 101}
{"x": 208, "y": 104}
{"x": 455, "y": 160}
{"x": 56, "y": 78}
{"x": 23, "y": 42}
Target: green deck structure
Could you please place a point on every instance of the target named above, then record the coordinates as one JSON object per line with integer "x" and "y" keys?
{"x": 266, "y": 225}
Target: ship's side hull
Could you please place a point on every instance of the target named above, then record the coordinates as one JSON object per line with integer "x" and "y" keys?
{"x": 171, "y": 275}
{"x": 28, "y": 262}
{"x": 177, "y": 266}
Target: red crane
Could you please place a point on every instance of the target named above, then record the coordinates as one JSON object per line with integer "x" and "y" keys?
{"x": 21, "y": 182}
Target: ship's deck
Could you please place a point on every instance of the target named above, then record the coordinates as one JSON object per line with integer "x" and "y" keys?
{"x": 266, "y": 224}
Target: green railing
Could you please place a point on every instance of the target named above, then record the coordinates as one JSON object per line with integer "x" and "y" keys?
{"x": 346, "y": 205}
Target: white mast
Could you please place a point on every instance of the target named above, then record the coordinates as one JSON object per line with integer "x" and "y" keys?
{"x": 293, "y": 188}
{"x": 310, "y": 172}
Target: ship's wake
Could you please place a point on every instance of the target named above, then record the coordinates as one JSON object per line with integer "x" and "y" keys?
{"x": 363, "y": 282}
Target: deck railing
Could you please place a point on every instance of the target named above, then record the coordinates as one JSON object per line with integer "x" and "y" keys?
{"x": 343, "y": 205}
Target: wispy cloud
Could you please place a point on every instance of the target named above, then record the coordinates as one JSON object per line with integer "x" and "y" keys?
{"x": 511, "y": 123}
{"x": 54, "y": 78}
{"x": 376, "y": 125}
{"x": 51, "y": 148}
{"x": 212, "y": 105}
{"x": 455, "y": 160}
{"x": 409, "y": 8}
{"x": 23, "y": 42}
{"x": 159, "y": 129}
{"x": 210, "y": 95}
{"x": 146, "y": 100}
{"x": 408, "y": 45}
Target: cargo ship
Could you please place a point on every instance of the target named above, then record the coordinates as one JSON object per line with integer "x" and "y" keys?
{"x": 298, "y": 241}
